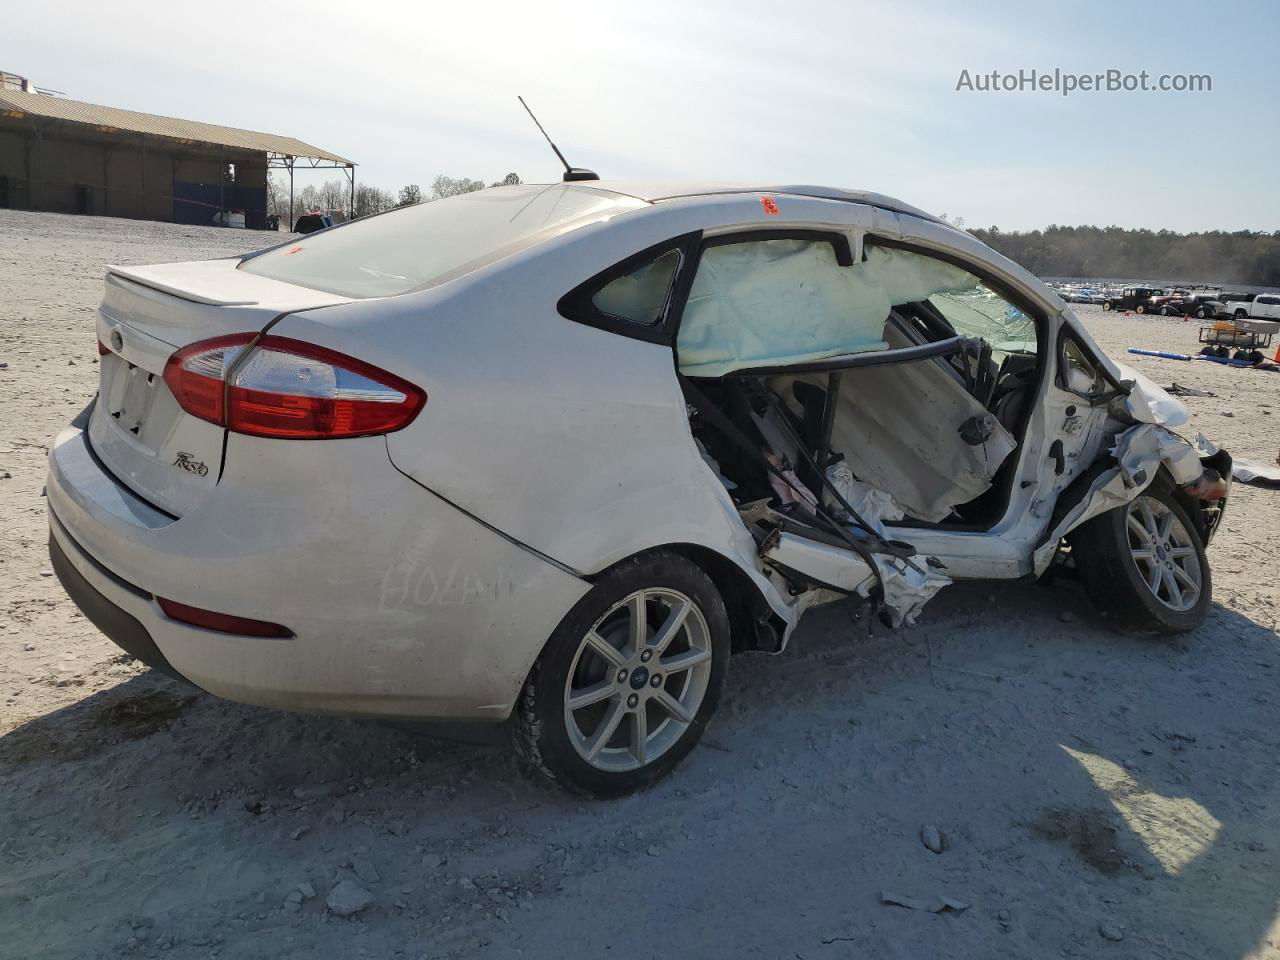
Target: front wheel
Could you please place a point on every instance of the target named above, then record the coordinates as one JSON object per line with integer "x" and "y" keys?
{"x": 1144, "y": 564}
{"x": 628, "y": 680}
{"x": 1106, "y": 305}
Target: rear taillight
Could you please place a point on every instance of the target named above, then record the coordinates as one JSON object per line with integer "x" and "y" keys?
{"x": 196, "y": 375}
{"x": 103, "y": 349}
{"x": 289, "y": 389}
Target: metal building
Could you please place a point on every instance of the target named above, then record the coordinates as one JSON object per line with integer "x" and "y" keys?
{"x": 71, "y": 157}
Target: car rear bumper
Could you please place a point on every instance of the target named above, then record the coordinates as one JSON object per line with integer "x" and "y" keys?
{"x": 121, "y": 628}
{"x": 401, "y": 605}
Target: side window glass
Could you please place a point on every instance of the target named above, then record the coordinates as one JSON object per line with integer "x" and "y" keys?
{"x": 641, "y": 295}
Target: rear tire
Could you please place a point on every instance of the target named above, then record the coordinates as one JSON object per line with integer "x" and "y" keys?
{"x": 1106, "y": 304}
{"x": 643, "y": 694}
{"x": 1121, "y": 553}
{"x": 1140, "y": 308}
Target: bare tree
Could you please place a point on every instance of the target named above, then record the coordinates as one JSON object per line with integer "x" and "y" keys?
{"x": 335, "y": 195}
{"x": 308, "y": 198}
{"x": 442, "y": 187}
{"x": 371, "y": 200}
{"x": 277, "y": 196}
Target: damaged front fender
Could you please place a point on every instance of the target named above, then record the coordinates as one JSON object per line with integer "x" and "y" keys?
{"x": 1138, "y": 454}
{"x": 1148, "y": 402}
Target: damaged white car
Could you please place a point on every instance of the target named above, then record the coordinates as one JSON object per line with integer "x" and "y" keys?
{"x": 548, "y": 455}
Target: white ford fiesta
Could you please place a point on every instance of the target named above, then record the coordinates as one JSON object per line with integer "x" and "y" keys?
{"x": 547, "y": 455}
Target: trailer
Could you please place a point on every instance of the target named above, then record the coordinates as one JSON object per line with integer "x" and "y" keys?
{"x": 1248, "y": 338}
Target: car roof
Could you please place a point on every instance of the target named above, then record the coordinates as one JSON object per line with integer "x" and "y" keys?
{"x": 654, "y": 191}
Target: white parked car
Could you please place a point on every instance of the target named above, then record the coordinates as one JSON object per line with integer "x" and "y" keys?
{"x": 547, "y": 455}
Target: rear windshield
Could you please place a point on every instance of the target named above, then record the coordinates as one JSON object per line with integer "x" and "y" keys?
{"x": 427, "y": 243}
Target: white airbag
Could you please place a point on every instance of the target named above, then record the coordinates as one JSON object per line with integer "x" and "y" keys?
{"x": 782, "y": 302}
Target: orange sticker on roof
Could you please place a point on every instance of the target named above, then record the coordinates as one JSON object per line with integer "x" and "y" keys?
{"x": 770, "y": 207}
{"x": 291, "y": 251}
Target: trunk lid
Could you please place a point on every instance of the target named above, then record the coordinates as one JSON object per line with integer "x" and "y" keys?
{"x": 137, "y": 429}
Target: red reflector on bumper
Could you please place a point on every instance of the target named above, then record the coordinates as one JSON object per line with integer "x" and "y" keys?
{"x": 222, "y": 622}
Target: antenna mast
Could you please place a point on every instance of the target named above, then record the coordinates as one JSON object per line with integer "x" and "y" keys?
{"x": 570, "y": 173}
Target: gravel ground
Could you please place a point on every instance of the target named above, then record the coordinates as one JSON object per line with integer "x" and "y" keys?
{"x": 1095, "y": 795}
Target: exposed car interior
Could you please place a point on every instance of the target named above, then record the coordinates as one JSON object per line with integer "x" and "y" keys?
{"x": 898, "y": 376}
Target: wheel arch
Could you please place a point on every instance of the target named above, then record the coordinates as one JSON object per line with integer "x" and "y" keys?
{"x": 1194, "y": 508}
{"x": 753, "y": 624}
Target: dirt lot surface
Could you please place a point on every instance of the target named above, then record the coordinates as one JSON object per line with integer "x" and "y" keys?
{"x": 1097, "y": 795}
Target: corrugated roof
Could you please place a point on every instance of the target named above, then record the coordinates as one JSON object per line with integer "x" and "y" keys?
{"x": 60, "y": 108}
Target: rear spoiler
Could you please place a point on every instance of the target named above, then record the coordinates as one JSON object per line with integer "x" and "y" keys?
{"x": 141, "y": 277}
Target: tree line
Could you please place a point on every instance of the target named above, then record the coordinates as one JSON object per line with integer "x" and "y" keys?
{"x": 1213, "y": 257}
{"x": 335, "y": 195}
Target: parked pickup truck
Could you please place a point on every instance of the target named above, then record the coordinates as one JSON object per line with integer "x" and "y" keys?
{"x": 1265, "y": 306}
{"x": 1133, "y": 298}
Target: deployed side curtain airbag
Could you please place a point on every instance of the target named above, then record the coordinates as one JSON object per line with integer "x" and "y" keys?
{"x": 779, "y": 302}
{"x": 910, "y": 278}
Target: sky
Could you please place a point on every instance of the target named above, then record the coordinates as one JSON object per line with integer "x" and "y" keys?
{"x": 860, "y": 94}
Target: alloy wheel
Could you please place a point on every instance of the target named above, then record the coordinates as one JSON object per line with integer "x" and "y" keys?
{"x": 637, "y": 680}
{"x": 1164, "y": 553}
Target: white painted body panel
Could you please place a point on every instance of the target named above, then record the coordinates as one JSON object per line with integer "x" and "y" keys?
{"x": 401, "y": 604}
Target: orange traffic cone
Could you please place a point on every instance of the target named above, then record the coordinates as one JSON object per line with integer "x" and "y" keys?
{"x": 1277, "y": 359}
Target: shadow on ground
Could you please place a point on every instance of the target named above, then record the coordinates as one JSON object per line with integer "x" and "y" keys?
{"x": 1089, "y": 785}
